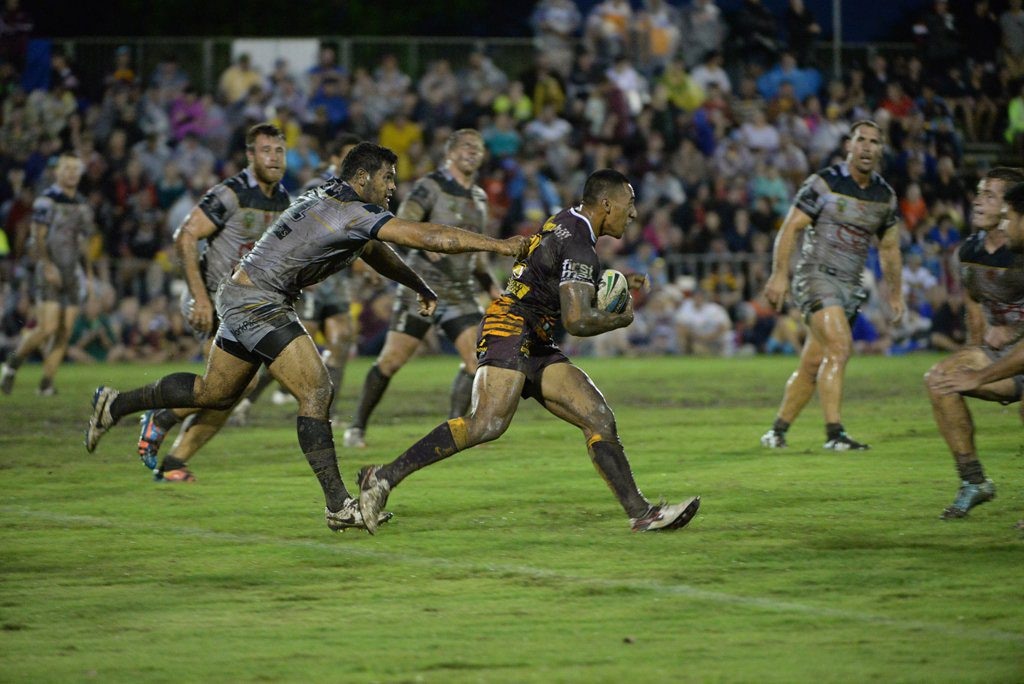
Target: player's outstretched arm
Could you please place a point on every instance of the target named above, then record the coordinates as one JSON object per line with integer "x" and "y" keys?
{"x": 435, "y": 237}
{"x": 579, "y": 316}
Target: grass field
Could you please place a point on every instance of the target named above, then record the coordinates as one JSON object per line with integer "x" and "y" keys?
{"x": 512, "y": 562}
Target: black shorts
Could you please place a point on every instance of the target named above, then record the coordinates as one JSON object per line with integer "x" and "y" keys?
{"x": 410, "y": 322}
{"x": 506, "y": 340}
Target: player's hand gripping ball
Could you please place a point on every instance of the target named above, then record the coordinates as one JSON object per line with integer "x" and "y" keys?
{"x": 612, "y": 292}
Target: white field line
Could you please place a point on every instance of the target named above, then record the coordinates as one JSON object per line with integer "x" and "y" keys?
{"x": 960, "y": 631}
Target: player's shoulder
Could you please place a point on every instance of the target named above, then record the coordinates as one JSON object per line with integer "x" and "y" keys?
{"x": 972, "y": 246}
{"x": 883, "y": 185}
{"x": 568, "y": 225}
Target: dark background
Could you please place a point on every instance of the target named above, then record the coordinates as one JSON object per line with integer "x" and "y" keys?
{"x": 863, "y": 20}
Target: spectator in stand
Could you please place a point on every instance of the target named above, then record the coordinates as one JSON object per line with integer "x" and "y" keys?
{"x": 480, "y": 74}
{"x": 236, "y": 81}
{"x": 326, "y": 67}
{"x": 187, "y": 115}
{"x": 399, "y": 133}
{"x": 756, "y": 33}
{"x": 656, "y": 35}
{"x": 802, "y": 32}
{"x": 711, "y": 70}
{"x": 515, "y": 102}
{"x": 769, "y": 184}
{"x": 332, "y": 95}
{"x": 1014, "y": 134}
{"x": 392, "y": 83}
{"x": 759, "y": 136}
{"x": 704, "y": 327}
{"x": 949, "y": 332}
{"x": 439, "y": 95}
{"x": 192, "y": 157}
{"x": 913, "y": 208}
{"x": 939, "y": 37}
{"x": 607, "y": 29}
{"x": 683, "y": 92}
{"x": 1011, "y": 25}
{"x": 805, "y": 81}
{"x": 555, "y": 23}
{"x": 981, "y": 28}
{"x": 501, "y": 138}
{"x": 703, "y": 30}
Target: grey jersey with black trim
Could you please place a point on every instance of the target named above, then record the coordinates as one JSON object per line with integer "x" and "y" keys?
{"x": 68, "y": 221}
{"x": 845, "y": 216}
{"x": 439, "y": 198}
{"x": 242, "y": 213}
{"x": 322, "y": 232}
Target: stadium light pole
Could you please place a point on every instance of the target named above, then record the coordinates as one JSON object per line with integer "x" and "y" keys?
{"x": 837, "y": 38}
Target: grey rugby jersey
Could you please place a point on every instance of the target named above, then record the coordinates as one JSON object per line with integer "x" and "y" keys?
{"x": 242, "y": 213}
{"x": 994, "y": 280}
{"x": 438, "y": 198}
{"x": 846, "y": 216}
{"x": 322, "y": 232}
{"x": 68, "y": 220}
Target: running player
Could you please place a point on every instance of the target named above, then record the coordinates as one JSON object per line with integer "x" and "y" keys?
{"x": 992, "y": 272}
{"x": 219, "y": 231}
{"x": 323, "y": 308}
{"x": 837, "y": 211}
{"x": 518, "y": 357}
{"x": 323, "y": 231}
{"x": 61, "y": 222}
{"x": 450, "y": 196}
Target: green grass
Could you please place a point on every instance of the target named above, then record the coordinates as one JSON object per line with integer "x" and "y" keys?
{"x": 512, "y": 562}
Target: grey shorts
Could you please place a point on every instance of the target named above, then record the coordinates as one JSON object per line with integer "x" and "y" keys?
{"x": 453, "y": 317}
{"x": 1018, "y": 380}
{"x": 255, "y": 325}
{"x": 818, "y": 290}
{"x": 69, "y": 292}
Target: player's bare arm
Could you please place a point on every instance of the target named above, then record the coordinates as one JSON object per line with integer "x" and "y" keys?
{"x": 435, "y": 237}
{"x": 778, "y": 283}
{"x": 385, "y": 261}
{"x": 581, "y": 318}
{"x": 892, "y": 269}
{"x": 959, "y": 380}
{"x": 196, "y": 226}
{"x": 975, "y": 320}
{"x": 42, "y": 253}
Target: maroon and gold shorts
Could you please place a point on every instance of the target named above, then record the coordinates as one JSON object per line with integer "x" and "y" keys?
{"x": 507, "y": 340}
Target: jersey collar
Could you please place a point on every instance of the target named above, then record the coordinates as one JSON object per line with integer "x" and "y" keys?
{"x": 593, "y": 238}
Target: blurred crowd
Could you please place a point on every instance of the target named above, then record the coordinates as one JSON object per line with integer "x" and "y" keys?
{"x": 717, "y": 117}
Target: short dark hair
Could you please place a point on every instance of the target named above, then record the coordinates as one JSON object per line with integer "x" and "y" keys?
{"x": 1011, "y": 175}
{"x": 368, "y": 157}
{"x": 267, "y": 129}
{"x": 865, "y": 122}
{"x": 601, "y": 182}
{"x": 1014, "y": 197}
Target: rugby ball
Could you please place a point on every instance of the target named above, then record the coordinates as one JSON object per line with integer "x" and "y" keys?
{"x": 612, "y": 292}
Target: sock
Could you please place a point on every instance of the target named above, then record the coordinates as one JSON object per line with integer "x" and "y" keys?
{"x": 317, "y": 444}
{"x": 171, "y": 463}
{"x": 462, "y": 394}
{"x": 14, "y": 361}
{"x": 45, "y": 383}
{"x": 610, "y": 460}
{"x": 264, "y": 379}
{"x": 171, "y": 391}
{"x": 373, "y": 389}
{"x": 165, "y": 419}
{"x": 780, "y": 426}
{"x": 971, "y": 471}
{"x": 446, "y": 439}
{"x": 833, "y": 430}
